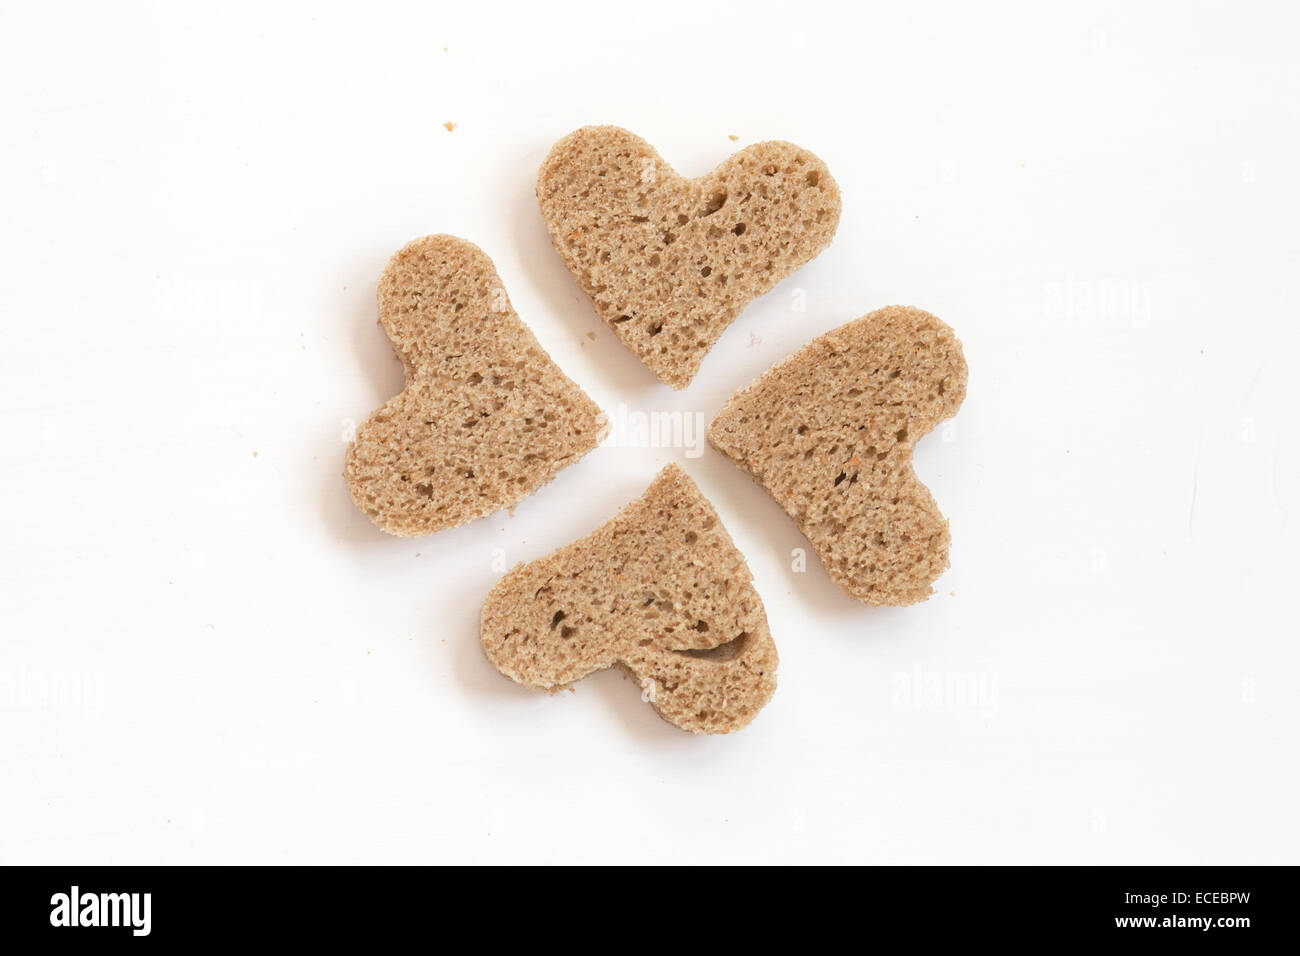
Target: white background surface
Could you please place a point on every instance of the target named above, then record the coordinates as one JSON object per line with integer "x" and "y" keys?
{"x": 210, "y": 655}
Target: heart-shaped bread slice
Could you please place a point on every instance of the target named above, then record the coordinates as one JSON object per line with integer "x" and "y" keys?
{"x": 829, "y": 432}
{"x": 659, "y": 590}
{"x": 669, "y": 262}
{"x": 485, "y": 419}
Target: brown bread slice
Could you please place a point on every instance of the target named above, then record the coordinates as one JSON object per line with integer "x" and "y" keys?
{"x": 661, "y": 591}
{"x": 669, "y": 262}
{"x": 485, "y": 419}
{"x": 829, "y": 432}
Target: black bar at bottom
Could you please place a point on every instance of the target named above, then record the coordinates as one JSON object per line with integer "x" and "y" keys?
{"x": 121, "y": 906}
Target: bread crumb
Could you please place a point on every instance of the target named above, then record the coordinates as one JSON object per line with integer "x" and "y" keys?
{"x": 592, "y": 336}
{"x": 733, "y": 137}
{"x": 254, "y": 454}
{"x": 449, "y": 126}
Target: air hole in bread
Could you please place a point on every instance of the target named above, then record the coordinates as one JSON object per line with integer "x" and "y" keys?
{"x": 721, "y": 653}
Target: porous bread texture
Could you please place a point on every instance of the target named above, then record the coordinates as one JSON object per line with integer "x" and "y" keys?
{"x": 485, "y": 418}
{"x": 829, "y": 432}
{"x": 670, "y": 262}
{"x": 661, "y": 591}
